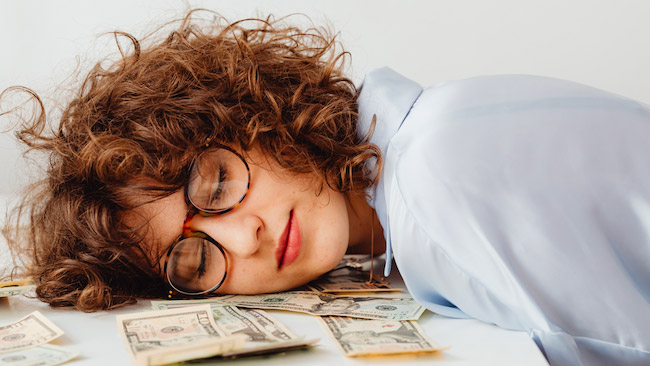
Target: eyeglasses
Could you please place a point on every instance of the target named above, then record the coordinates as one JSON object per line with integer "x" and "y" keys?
{"x": 219, "y": 179}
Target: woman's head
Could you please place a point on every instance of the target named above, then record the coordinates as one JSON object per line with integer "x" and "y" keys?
{"x": 120, "y": 154}
{"x": 285, "y": 233}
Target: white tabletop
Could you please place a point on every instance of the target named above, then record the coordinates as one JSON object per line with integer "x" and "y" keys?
{"x": 471, "y": 342}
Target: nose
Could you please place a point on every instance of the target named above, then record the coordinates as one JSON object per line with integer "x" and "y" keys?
{"x": 237, "y": 234}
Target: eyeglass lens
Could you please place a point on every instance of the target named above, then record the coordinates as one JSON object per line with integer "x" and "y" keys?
{"x": 195, "y": 266}
{"x": 218, "y": 180}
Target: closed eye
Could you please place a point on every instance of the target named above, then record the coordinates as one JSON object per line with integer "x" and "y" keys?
{"x": 215, "y": 197}
{"x": 201, "y": 269}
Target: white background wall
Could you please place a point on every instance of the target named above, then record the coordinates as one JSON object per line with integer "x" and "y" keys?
{"x": 601, "y": 43}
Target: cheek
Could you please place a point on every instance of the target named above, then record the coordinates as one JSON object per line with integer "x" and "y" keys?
{"x": 330, "y": 232}
{"x": 256, "y": 278}
{"x": 244, "y": 278}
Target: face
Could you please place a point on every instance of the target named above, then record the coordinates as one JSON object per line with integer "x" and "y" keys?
{"x": 282, "y": 235}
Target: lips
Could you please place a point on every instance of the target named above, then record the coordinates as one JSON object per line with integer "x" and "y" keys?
{"x": 289, "y": 247}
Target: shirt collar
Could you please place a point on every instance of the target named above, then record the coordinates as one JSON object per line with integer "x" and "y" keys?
{"x": 389, "y": 96}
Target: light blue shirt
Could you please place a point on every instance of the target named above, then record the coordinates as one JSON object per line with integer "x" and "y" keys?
{"x": 522, "y": 201}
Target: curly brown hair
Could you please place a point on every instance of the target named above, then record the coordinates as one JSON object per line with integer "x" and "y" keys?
{"x": 252, "y": 83}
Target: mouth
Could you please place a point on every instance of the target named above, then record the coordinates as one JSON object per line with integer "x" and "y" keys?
{"x": 290, "y": 241}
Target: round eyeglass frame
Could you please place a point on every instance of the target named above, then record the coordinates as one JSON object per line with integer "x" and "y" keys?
{"x": 187, "y": 232}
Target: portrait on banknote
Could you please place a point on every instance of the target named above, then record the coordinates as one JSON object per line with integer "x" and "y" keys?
{"x": 331, "y": 304}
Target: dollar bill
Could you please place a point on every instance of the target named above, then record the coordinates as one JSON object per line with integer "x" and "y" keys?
{"x": 367, "y": 307}
{"x": 13, "y": 288}
{"x": 45, "y": 355}
{"x": 264, "y": 334}
{"x": 258, "y": 326}
{"x": 363, "y": 337}
{"x": 167, "y": 336}
{"x": 350, "y": 280}
{"x": 31, "y": 331}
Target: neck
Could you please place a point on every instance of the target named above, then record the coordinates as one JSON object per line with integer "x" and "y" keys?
{"x": 364, "y": 227}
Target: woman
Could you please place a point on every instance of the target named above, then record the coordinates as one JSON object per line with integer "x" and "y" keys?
{"x": 233, "y": 159}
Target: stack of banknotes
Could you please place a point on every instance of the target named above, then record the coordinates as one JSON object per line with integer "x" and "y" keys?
{"x": 362, "y": 318}
{"x": 14, "y": 288}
